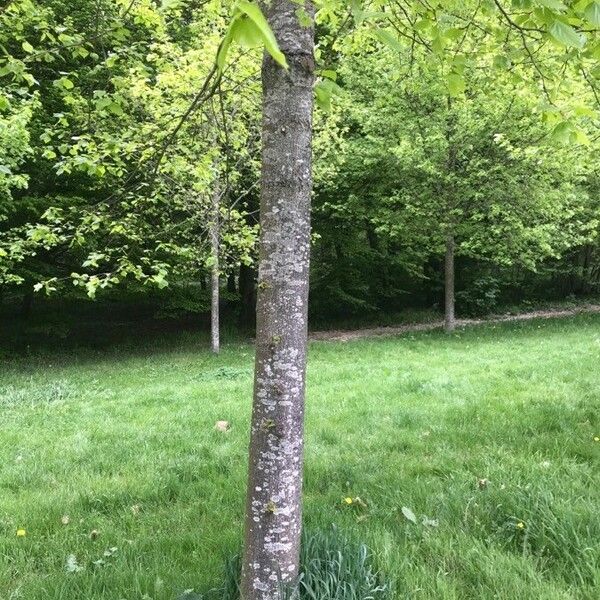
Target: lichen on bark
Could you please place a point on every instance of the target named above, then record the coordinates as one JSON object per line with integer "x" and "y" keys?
{"x": 273, "y": 508}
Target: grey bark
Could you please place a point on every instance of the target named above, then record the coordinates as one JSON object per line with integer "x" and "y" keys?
{"x": 214, "y": 275}
{"x": 273, "y": 508}
{"x": 450, "y": 320}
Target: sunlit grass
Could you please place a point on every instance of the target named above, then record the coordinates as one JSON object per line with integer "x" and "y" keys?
{"x": 488, "y": 437}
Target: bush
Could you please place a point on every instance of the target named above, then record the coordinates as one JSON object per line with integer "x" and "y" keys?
{"x": 481, "y": 297}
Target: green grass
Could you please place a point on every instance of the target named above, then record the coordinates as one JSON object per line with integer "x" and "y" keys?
{"x": 122, "y": 442}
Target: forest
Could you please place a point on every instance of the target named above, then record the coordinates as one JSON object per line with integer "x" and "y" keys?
{"x": 199, "y": 198}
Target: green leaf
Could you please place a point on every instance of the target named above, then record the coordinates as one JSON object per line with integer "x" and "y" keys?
{"x": 245, "y": 33}
{"x": 584, "y": 111}
{"x": 453, "y": 33}
{"x": 501, "y": 61}
{"x": 256, "y": 16}
{"x": 456, "y": 84}
{"x": 250, "y": 29}
{"x": 324, "y": 90}
{"x": 423, "y": 24}
{"x": 323, "y": 97}
{"x": 64, "y": 83}
{"x": 562, "y": 132}
{"x": 27, "y": 47}
{"x": 553, "y": 4}
{"x": 167, "y": 5}
{"x": 566, "y": 35}
{"x": 224, "y": 49}
{"x": 592, "y": 13}
{"x": 303, "y": 17}
{"x": 115, "y": 108}
{"x": 390, "y": 40}
{"x": 580, "y": 137}
{"x": 329, "y": 74}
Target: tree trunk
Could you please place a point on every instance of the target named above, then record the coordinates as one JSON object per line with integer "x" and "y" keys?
{"x": 27, "y": 302}
{"x": 231, "y": 287}
{"x": 214, "y": 277}
{"x": 450, "y": 322}
{"x": 273, "y": 509}
{"x": 247, "y": 287}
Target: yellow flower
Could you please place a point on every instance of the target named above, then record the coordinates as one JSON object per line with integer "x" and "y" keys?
{"x": 348, "y": 500}
{"x": 520, "y": 525}
{"x": 21, "y": 533}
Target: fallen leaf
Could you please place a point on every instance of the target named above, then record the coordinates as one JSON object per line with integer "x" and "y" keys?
{"x": 189, "y": 595}
{"x": 360, "y": 502}
{"x": 72, "y": 566}
{"x": 430, "y": 522}
{"x": 222, "y": 426}
{"x": 409, "y": 514}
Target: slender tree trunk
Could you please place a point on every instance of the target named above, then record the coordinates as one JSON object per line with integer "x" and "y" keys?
{"x": 450, "y": 322}
{"x": 231, "y": 287}
{"x": 214, "y": 276}
{"x": 247, "y": 287}
{"x": 273, "y": 509}
{"x": 27, "y": 302}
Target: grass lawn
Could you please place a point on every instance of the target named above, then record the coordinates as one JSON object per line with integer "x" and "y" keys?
{"x": 111, "y": 464}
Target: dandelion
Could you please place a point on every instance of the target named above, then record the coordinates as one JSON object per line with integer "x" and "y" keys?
{"x": 21, "y": 533}
{"x": 520, "y": 525}
{"x": 348, "y": 500}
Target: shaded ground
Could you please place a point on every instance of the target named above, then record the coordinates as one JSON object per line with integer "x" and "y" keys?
{"x": 345, "y": 336}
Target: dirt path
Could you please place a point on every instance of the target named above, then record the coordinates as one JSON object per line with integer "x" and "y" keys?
{"x": 345, "y": 336}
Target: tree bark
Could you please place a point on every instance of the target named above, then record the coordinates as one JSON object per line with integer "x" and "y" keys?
{"x": 231, "y": 287}
{"x": 273, "y": 508}
{"x": 450, "y": 322}
{"x": 27, "y": 302}
{"x": 247, "y": 287}
{"x": 214, "y": 275}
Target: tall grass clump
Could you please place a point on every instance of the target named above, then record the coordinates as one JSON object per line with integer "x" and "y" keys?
{"x": 332, "y": 567}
